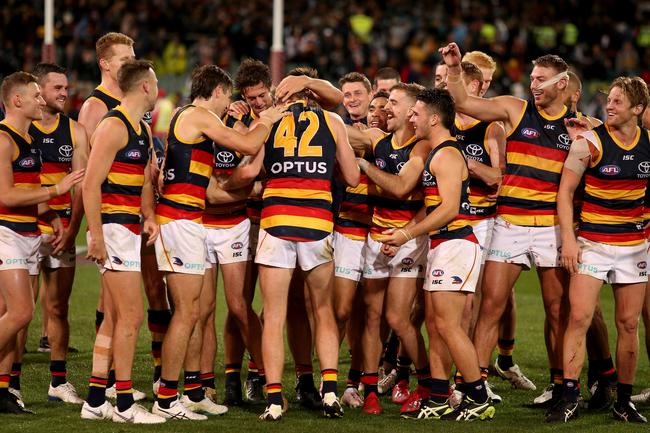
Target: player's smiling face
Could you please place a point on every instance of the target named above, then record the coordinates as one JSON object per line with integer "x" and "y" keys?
{"x": 377, "y": 113}
{"x": 619, "y": 108}
{"x": 420, "y": 119}
{"x": 356, "y": 99}
{"x": 54, "y": 90}
{"x": 547, "y": 95}
{"x": 397, "y": 109}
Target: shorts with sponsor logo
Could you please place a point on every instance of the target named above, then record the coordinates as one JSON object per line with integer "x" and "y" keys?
{"x": 408, "y": 262}
{"x": 614, "y": 264}
{"x": 122, "y": 249}
{"x": 180, "y": 247}
{"x": 524, "y": 245}
{"x": 483, "y": 231}
{"x": 65, "y": 259}
{"x": 230, "y": 245}
{"x": 280, "y": 253}
{"x": 18, "y": 251}
{"x": 453, "y": 266}
{"x": 348, "y": 257}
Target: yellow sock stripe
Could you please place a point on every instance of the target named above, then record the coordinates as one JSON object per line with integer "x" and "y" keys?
{"x": 330, "y": 377}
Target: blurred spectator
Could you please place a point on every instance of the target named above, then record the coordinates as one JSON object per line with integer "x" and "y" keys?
{"x": 605, "y": 40}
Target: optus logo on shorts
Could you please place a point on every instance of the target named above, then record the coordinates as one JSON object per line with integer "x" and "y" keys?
{"x": 437, "y": 273}
{"x": 237, "y": 245}
{"x": 14, "y": 262}
{"x": 407, "y": 261}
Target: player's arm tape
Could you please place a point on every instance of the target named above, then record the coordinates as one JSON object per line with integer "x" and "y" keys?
{"x": 575, "y": 160}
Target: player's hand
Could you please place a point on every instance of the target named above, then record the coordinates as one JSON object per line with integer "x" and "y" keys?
{"x": 57, "y": 239}
{"x": 97, "y": 250}
{"x": 451, "y": 55}
{"x": 274, "y": 113}
{"x": 389, "y": 250}
{"x": 291, "y": 85}
{"x": 395, "y": 237}
{"x": 67, "y": 241}
{"x": 570, "y": 256}
{"x": 238, "y": 109}
{"x": 360, "y": 126}
{"x": 151, "y": 229}
{"x": 69, "y": 181}
{"x": 576, "y": 126}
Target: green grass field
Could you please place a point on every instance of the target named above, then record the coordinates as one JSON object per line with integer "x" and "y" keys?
{"x": 511, "y": 416}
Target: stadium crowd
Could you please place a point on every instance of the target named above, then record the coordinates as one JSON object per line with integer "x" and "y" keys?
{"x": 418, "y": 205}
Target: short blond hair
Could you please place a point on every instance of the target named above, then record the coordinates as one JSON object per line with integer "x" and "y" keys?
{"x": 480, "y": 59}
{"x": 104, "y": 45}
{"x": 635, "y": 89}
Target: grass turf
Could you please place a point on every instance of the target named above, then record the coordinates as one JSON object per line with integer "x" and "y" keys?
{"x": 511, "y": 416}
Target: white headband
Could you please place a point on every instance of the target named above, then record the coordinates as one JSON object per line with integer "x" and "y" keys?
{"x": 555, "y": 79}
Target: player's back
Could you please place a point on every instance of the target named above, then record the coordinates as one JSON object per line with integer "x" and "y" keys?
{"x": 300, "y": 153}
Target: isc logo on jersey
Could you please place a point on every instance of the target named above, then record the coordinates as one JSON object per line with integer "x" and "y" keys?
{"x": 299, "y": 167}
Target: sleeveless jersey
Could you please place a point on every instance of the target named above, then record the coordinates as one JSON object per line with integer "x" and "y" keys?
{"x": 471, "y": 141}
{"x": 460, "y": 227}
{"x": 300, "y": 153}
{"x": 103, "y": 95}
{"x": 355, "y": 211}
{"x": 392, "y": 212}
{"x": 226, "y": 215}
{"x": 615, "y": 186}
{"x": 187, "y": 170}
{"x": 535, "y": 152}
{"x": 26, "y": 167}
{"x": 122, "y": 188}
{"x": 56, "y": 146}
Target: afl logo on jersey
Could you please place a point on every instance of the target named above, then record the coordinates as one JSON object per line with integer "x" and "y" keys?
{"x": 380, "y": 163}
{"x": 133, "y": 154}
{"x": 65, "y": 150}
{"x": 474, "y": 150}
{"x": 225, "y": 157}
{"x": 530, "y": 133}
{"x": 28, "y": 162}
{"x": 399, "y": 166}
{"x": 610, "y": 169}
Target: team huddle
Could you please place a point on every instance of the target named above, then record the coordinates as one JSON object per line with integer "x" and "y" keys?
{"x": 420, "y": 206}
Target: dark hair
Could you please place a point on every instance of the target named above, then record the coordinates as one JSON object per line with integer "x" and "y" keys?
{"x": 206, "y": 78}
{"x": 355, "y": 77}
{"x": 42, "y": 69}
{"x": 551, "y": 61}
{"x": 441, "y": 103}
{"x": 252, "y": 72}
{"x": 17, "y": 79}
{"x": 380, "y": 94}
{"x": 471, "y": 72}
{"x": 131, "y": 73}
{"x": 411, "y": 89}
{"x": 387, "y": 74}
{"x": 304, "y": 70}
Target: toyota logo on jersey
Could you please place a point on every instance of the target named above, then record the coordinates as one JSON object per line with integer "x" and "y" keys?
{"x": 474, "y": 150}
{"x": 65, "y": 150}
{"x": 225, "y": 157}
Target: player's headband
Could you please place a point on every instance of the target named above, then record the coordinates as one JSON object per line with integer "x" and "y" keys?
{"x": 555, "y": 79}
